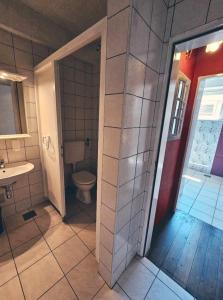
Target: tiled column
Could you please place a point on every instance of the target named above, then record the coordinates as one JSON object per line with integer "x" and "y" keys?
{"x": 134, "y": 52}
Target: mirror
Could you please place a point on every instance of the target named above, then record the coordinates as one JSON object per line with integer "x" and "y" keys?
{"x": 12, "y": 108}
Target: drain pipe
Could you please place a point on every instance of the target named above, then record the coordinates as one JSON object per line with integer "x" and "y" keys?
{"x": 7, "y": 194}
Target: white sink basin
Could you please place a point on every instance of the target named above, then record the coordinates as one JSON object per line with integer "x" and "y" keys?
{"x": 11, "y": 172}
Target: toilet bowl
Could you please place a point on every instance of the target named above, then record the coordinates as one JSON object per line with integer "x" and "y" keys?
{"x": 84, "y": 181}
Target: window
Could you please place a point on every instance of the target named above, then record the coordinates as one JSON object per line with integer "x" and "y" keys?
{"x": 207, "y": 110}
{"x": 178, "y": 110}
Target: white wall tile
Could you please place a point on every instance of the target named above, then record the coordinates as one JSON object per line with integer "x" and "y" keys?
{"x": 115, "y": 74}
{"x": 125, "y": 193}
{"x": 151, "y": 84}
{"x": 215, "y": 10}
{"x": 144, "y": 7}
{"x": 109, "y": 195}
{"x": 129, "y": 142}
{"x": 159, "y": 16}
{"x": 106, "y": 238}
{"x": 114, "y": 6}
{"x": 135, "y": 77}
{"x": 108, "y": 218}
{"x": 189, "y": 14}
{"x": 148, "y": 110}
{"x": 139, "y": 37}
{"x": 117, "y": 32}
{"x": 113, "y": 110}
{"x": 112, "y": 139}
{"x": 144, "y": 139}
{"x": 5, "y": 37}
{"x": 6, "y": 55}
{"x": 22, "y": 44}
{"x": 132, "y": 111}
{"x": 23, "y": 59}
{"x": 155, "y": 51}
{"x": 110, "y": 169}
{"x": 127, "y": 169}
{"x": 123, "y": 217}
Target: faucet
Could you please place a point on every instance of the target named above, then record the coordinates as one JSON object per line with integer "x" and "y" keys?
{"x": 2, "y": 163}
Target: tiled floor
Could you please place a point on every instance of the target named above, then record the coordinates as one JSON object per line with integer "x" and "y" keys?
{"x": 143, "y": 280}
{"x": 44, "y": 258}
{"x": 202, "y": 197}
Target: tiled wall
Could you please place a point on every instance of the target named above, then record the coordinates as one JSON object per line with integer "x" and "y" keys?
{"x": 133, "y": 74}
{"x": 20, "y": 55}
{"x": 79, "y": 100}
{"x": 137, "y": 42}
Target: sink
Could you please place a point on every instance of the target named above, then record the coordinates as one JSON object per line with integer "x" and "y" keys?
{"x": 11, "y": 172}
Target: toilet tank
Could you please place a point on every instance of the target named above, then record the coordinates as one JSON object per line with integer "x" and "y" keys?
{"x": 73, "y": 151}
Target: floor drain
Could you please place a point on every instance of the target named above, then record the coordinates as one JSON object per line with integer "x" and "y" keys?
{"x": 207, "y": 175}
{"x": 29, "y": 215}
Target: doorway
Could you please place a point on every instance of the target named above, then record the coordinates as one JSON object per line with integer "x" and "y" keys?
{"x": 200, "y": 190}
{"x": 185, "y": 245}
{"x": 53, "y": 133}
{"x": 79, "y": 75}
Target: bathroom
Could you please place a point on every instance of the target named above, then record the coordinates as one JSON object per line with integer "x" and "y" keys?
{"x": 81, "y": 116}
{"x": 30, "y": 224}
{"x": 79, "y": 93}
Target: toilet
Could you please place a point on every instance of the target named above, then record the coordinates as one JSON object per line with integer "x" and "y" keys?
{"x": 83, "y": 180}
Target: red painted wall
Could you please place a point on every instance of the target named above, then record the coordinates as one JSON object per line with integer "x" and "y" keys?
{"x": 197, "y": 64}
{"x": 217, "y": 167}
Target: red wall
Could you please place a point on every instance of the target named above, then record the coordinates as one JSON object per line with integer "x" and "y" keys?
{"x": 193, "y": 66}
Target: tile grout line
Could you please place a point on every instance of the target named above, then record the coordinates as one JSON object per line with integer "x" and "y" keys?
{"x": 51, "y": 251}
{"x": 15, "y": 264}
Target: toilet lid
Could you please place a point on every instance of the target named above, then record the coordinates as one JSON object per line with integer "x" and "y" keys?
{"x": 84, "y": 177}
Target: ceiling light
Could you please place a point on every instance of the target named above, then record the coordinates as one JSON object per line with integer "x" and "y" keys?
{"x": 177, "y": 56}
{"x": 210, "y": 48}
{"x": 11, "y": 76}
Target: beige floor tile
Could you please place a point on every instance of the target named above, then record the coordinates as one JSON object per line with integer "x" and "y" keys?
{"x": 14, "y": 221}
{"x": 11, "y": 290}
{"x": 58, "y": 235}
{"x": 85, "y": 279}
{"x": 111, "y": 294}
{"x": 23, "y": 234}
{"x": 7, "y": 268}
{"x": 59, "y": 291}
{"x": 88, "y": 236}
{"x": 136, "y": 280}
{"x": 4, "y": 244}
{"x": 79, "y": 221}
{"x": 48, "y": 220}
{"x": 30, "y": 252}
{"x": 43, "y": 208}
{"x": 40, "y": 277}
{"x": 70, "y": 253}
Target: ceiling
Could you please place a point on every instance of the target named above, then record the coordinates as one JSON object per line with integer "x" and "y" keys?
{"x": 73, "y": 15}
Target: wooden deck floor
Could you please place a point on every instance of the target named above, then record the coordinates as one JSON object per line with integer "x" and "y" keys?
{"x": 191, "y": 252}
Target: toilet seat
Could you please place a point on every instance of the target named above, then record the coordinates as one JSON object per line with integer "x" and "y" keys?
{"x": 84, "y": 177}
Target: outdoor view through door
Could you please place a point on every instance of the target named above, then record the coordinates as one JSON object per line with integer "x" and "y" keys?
{"x": 187, "y": 235}
{"x": 200, "y": 192}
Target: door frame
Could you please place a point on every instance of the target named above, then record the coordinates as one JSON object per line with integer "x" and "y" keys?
{"x": 99, "y": 30}
{"x": 194, "y": 38}
{"x": 184, "y": 76}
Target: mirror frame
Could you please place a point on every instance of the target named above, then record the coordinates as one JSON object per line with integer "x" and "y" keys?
{"x": 18, "y": 78}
